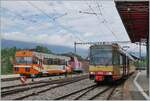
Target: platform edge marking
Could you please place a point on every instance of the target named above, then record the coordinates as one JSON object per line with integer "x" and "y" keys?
{"x": 140, "y": 88}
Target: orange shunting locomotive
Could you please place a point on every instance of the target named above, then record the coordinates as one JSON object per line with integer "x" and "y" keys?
{"x": 31, "y": 63}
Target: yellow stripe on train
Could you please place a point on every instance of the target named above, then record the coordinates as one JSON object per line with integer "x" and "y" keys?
{"x": 100, "y": 68}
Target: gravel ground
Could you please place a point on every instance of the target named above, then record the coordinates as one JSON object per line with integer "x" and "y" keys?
{"x": 16, "y": 82}
{"x": 29, "y": 80}
{"x": 13, "y": 96}
{"x": 118, "y": 93}
{"x": 75, "y": 95}
{"x": 104, "y": 95}
{"x": 19, "y": 87}
{"x": 63, "y": 90}
{"x": 93, "y": 92}
{"x": 60, "y": 91}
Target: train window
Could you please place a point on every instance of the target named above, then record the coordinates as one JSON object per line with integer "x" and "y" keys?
{"x": 101, "y": 56}
{"x": 28, "y": 60}
{"x": 50, "y": 61}
{"x": 121, "y": 60}
{"x": 62, "y": 62}
{"x": 58, "y": 61}
{"x": 55, "y": 61}
{"x": 23, "y": 60}
{"x": 45, "y": 61}
{"x": 35, "y": 60}
{"x": 116, "y": 58}
{"x": 16, "y": 69}
{"x": 27, "y": 69}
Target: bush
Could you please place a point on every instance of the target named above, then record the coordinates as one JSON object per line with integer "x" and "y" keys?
{"x": 7, "y": 56}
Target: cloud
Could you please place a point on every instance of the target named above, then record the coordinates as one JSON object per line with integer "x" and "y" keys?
{"x": 6, "y": 23}
{"x": 54, "y": 39}
{"x": 73, "y": 26}
{"x": 88, "y": 34}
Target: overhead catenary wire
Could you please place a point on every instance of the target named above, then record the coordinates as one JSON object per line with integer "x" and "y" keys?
{"x": 52, "y": 19}
{"x": 104, "y": 20}
{"x": 108, "y": 27}
{"x": 21, "y": 17}
{"x": 93, "y": 12}
{"x": 101, "y": 14}
{"x": 39, "y": 9}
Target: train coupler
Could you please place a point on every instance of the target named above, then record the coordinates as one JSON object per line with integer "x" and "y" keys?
{"x": 99, "y": 78}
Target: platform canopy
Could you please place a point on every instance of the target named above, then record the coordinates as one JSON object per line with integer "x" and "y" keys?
{"x": 135, "y": 17}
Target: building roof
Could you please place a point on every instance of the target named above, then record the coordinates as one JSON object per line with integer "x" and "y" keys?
{"x": 135, "y": 17}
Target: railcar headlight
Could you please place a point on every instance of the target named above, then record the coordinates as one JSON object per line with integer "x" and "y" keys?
{"x": 92, "y": 72}
{"x": 109, "y": 73}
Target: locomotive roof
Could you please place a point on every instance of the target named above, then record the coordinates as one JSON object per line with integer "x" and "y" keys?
{"x": 114, "y": 45}
{"x": 105, "y": 44}
{"x": 44, "y": 55}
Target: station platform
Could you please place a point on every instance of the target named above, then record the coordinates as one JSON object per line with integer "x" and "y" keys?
{"x": 137, "y": 87}
{"x": 9, "y": 76}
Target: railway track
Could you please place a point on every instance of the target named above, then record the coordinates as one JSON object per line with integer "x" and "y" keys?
{"x": 35, "y": 82}
{"x": 86, "y": 90}
{"x": 29, "y": 78}
{"x": 104, "y": 92}
{"x": 108, "y": 90}
{"x": 47, "y": 83}
{"x": 21, "y": 85}
{"x": 91, "y": 92}
{"x": 9, "y": 79}
{"x": 32, "y": 83}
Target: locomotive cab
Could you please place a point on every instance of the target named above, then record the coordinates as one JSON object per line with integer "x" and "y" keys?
{"x": 100, "y": 62}
{"x": 31, "y": 63}
{"x": 108, "y": 62}
{"x": 26, "y": 64}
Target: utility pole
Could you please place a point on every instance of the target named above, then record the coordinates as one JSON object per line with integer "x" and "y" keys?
{"x": 75, "y": 47}
{"x": 140, "y": 53}
{"x": 148, "y": 55}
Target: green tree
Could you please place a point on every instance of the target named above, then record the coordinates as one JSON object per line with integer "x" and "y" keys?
{"x": 7, "y": 57}
{"x": 42, "y": 49}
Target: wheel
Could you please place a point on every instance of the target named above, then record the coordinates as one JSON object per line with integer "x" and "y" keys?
{"x": 98, "y": 82}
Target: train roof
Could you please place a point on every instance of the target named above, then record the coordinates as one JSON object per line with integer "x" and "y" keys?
{"x": 44, "y": 55}
{"x": 126, "y": 53}
{"x": 114, "y": 45}
{"x": 104, "y": 44}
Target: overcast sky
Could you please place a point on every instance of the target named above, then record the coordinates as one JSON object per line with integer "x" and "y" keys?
{"x": 61, "y": 22}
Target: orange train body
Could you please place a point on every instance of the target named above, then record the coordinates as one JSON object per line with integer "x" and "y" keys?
{"x": 31, "y": 63}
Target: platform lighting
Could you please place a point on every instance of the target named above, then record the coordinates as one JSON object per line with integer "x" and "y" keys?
{"x": 129, "y": 9}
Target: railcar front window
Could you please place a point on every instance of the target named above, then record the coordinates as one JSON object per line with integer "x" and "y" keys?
{"x": 101, "y": 56}
{"x": 23, "y": 60}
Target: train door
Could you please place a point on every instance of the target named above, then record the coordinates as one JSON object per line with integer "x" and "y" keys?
{"x": 116, "y": 62}
{"x": 121, "y": 64}
{"x": 124, "y": 64}
{"x": 128, "y": 64}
